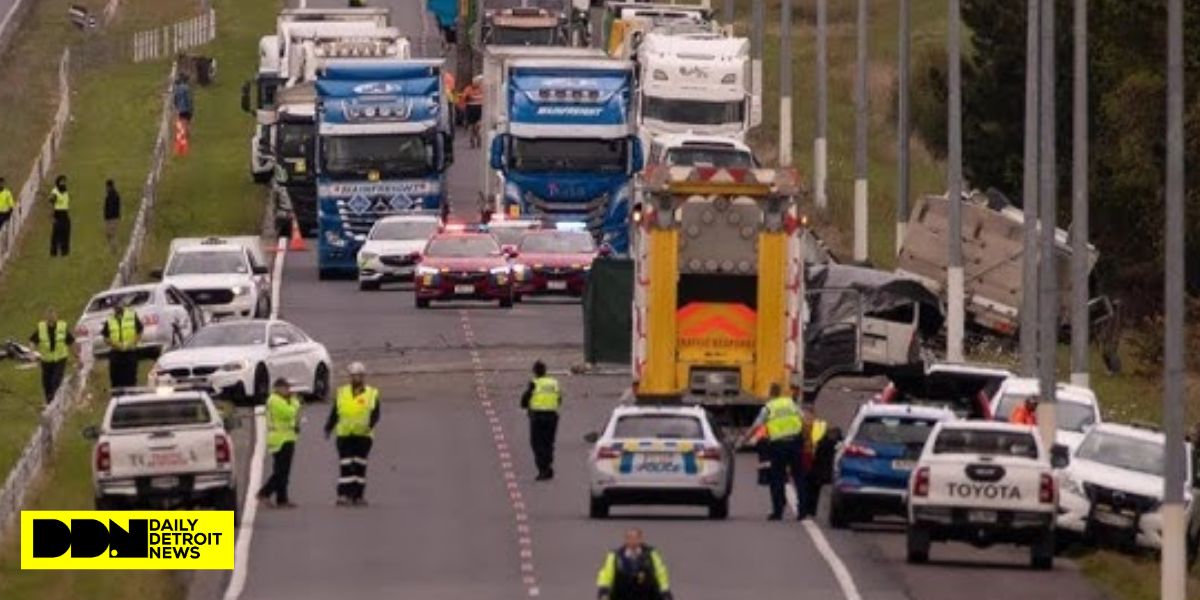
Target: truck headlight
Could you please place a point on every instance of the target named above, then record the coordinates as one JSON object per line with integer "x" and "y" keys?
{"x": 241, "y": 290}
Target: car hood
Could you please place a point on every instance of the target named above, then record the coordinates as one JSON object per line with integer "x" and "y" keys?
{"x": 192, "y": 282}
{"x": 400, "y": 247}
{"x": 555, "y": 260}
{"x": 1087, "y": 471}
{"x": 474, "y": 263}
{"x": 217, "y": 355}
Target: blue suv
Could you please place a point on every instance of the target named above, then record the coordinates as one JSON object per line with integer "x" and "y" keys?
{"x": 871, "y": 469}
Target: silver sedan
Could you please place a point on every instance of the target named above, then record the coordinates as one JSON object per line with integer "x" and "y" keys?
{"x": 168, "y": 316}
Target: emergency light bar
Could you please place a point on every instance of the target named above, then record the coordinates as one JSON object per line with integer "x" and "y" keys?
{"x": 570, "y": 226}
{"x": 356, "y": 49}
{"x": 379, "y": 111}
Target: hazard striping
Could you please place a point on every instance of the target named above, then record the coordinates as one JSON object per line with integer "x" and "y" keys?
{"x": 507, "y": 470}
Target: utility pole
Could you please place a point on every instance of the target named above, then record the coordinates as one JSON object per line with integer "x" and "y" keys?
{"x": 902, "y": 129}
{"x": 820, "y": 158}
{"x": 727, "y": 14}
{"x": 1029, "y": 257}
{"x": 785, "y": 83}
{"x": 1174, "y": 522}
{"x": 1079, "y": 204}
{"x": 463, "y": 62}
{"x": 756, "y": 48}
{"x": 1048, "y": 303}
{"x": 860, "y": 139}
{"x": 954, "y": 276}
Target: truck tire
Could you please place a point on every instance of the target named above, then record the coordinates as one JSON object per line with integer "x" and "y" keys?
{"x": 368, "y": 286}
{"x": 227, "y": 500}
{"x": 839, "y": 513}
{"x": 597, "y": 508}
{"x": 918, "y": 545}
{"x": 1041, "y": 552}
{"x": 719, "y": 509}
{"x": 506, "y": 302}
{"x": 326, "y": 274}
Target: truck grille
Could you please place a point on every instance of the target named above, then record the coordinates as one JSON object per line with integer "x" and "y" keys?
{"x": 211, "y": 296}
{"x": 1119, "y": 499}
{"x": 359, "y": 213}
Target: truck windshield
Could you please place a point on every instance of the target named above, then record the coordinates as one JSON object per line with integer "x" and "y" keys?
{"x": 524, "y": 36}
{"x": 267, "y": 86}
{"x": 389, "y": 155}
{"x": 1123, "y": 452}
{"x": 167, "y": 413}
{"x": 721, "y": 158}
{"x": 692, "y": 112}
{"x": 296, "y": 140}
{"x": 558, "y": 242}
{"x": 986, "y": 442}
{"x": 207, "y": 263}
{"x": 558, "y": 154}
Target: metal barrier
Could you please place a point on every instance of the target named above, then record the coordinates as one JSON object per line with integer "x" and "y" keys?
{"x": 168, "y": 41}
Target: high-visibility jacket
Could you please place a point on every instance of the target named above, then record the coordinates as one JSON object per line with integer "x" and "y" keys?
{"x": 448, "y": 83}
{"x": 6, "y": 201}
{"x": 1023, "y": 416}
{"x": 354, "y": 411}
{"x": 546, "y": 395}
{"x": 621, "y": 578}
{"x": 58, "y": 350}
{"x": 473, "y": 94}
{"x": 816, "y": 431}
{"x": 283, "y": 421}
{"x": 122, "y": 333}
{"x": 783, "y": 418}
{"x": 62, "y": 200}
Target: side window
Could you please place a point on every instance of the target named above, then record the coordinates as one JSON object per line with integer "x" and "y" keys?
{"x": 293, "y": 335}
{"x": 172, "y": 296}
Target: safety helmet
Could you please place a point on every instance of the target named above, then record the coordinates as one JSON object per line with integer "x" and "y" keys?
{"x": 356, "y": 368}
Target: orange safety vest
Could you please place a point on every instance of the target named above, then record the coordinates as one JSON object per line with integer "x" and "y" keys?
{"x": 1023, "y": 416}
{"x": 473, "y": 94}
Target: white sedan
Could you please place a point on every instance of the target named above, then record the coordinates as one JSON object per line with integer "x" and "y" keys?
{"x": 660, "y": 455}
{"x": 241, "y": 359}
{"x": 393, "y": 248}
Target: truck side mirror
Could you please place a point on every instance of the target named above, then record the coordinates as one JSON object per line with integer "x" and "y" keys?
{"x": 496, "y": 157}
{"x": 1060, "y": 456}
{"x": 637, "y": 158}
{"x": 246, "y": 97}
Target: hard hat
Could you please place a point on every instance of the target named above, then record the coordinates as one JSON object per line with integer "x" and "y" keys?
{"x": 477, "y": 79}
{"x": 356, "y": 368}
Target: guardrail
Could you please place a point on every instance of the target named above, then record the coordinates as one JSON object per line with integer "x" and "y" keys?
{"x": 168, "y": 41}
{"x": 41, "y": 444}
{"x": 27, "y": 197}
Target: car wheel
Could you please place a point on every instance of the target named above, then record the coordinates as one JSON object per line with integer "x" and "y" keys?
{"x": 320, "y": 387}
{"x": 1193, "y": 549}
{"x": 325, "y": 274}
{"x": 719, "y": 509}
{"x": 598, "y": 508}
{"x": 918, "y": 544}
{"x": 506, "y": 302}
{"x": 422, "y": 302}
{"x": 263, "y": 309}
{"x": 518, "y": 298}
{"x": 1041, "y": 552}
{"x": 368, "y": 286}
{"x": 839, "y": 513}
{"x": 105, "y": 503}
{"x": 262, "y": 385}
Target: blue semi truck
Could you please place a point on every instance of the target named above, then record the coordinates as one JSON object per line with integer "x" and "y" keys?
{"x": 384, "y": 145}
{"x": 564, "y": 143}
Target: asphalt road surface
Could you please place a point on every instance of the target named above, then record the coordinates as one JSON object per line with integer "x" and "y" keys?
{"x": 455, "y": 513}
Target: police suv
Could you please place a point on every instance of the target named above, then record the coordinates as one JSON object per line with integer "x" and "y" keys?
{"x": 163, "y": 448}
{"x": 982, "y": 483}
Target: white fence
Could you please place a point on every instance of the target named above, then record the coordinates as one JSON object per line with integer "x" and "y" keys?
{"x": 27, "y": 198}
{"x": 71, "y": 394}
{"x": 172, "y": 39}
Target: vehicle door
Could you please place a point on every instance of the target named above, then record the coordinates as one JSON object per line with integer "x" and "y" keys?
{"x": 888, "y": 336}
{"x": 260, "y": 274}
{"x": 286, "y": 352}
{"x": 178, "y": 315}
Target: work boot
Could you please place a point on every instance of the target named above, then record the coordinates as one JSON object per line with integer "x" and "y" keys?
{"x": 774, "y": 517}
{"x": 343, "y": 501}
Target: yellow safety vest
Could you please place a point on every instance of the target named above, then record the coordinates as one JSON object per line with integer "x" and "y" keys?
{"x": 6, "y": 201}
{"x": 122, "y": 334}
{"x": 283, "y": 415}
{"x": 817, "y": 431}
{"x": 354, "y": 412}
{"x": 546, "y": 395}
{"x": 59, "y": 351}
{"x": 783, "y": 419}
{"x": 62, "y": 200}
{"x": 608, "y": 571}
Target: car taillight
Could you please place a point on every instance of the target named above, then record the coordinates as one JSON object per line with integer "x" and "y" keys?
{"x": 859, "y": 451}
{"x": 709, "y": 453}
{"x": 222, "y": 448}
{"x": 608, "y": 453}
{"x": 150, "y": 320}
{"x": 921, "y": 482}
{"x": 103, "y": 458}
{"x": 1047, "y": 490}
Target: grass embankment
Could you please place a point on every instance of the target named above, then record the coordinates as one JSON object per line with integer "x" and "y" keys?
{"x": 206, "y": 192}
{"x": 1125, "y": 397}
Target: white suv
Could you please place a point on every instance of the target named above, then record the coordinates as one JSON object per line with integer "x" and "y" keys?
{"x": 227, "y": 277}
{"x": 1077, "y": 406}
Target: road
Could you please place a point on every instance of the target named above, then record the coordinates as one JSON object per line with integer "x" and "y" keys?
{"x": 455, "y": 512}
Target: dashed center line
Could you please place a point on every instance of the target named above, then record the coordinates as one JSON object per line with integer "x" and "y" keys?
{"x": 516, "y": 499}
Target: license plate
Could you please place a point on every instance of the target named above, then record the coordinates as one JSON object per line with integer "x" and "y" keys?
{"x": 904, "y": 465}
{"x": 556, "y": 285}
{"x": 659, "y": 463}
{"x": 164, "y": 483}
{"x": 464, "y": 289}
{"x": 981, "y": 516}
{"x": 1106, "y": 515}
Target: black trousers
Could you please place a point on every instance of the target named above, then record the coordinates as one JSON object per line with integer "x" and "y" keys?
{"x": 353, "y": 451}
{"x": 4, "y": 217}
{"x": 785, "y": 459}
{"x": 52, "y": 377}
{"x": 122, "y": 368}
{"x": 281, "y": 471}
{"x": 60, "y": 234}
{"x": 812, "y": 492}
{"x": 543, "y": 428}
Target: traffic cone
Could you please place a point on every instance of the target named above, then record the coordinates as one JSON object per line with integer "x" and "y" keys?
{"x": 181, "y": 138}
{"x": 297, "y": 242}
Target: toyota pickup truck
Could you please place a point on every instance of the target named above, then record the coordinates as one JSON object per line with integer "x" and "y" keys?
{"x": 982, "y": 483}
{"x": 163, "y": 449}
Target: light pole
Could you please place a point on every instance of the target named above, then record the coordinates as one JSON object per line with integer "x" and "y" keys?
{"x": 820, "y": 158}
{"x": 902, "y": 129}
{"x": 860, "y": 139}
{"x": 1048, "y": 303}
{"x": 1029, "y": 258}
{"x": 785, "y": 83}
{"x": 1079, "y": 203}
{"x": 954, "y": 274}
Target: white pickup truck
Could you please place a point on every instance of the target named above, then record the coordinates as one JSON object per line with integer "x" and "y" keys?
{"x": 163, "y": 449}
{"x": 983, "y": 482}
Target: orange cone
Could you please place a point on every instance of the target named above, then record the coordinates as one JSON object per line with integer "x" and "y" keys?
{"x": 181, "y": 138}
{"x": 296, "y": 244}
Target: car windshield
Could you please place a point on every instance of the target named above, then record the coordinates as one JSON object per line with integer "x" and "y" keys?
{"x": 524, "y": 36}
{"x": 387, "y": 155}
{"x": 559, "y": 242}
{"x": 986, "y": 442}
{"x": 166, "y": 413}
{"x": 1123, "y": 452}
{"x": 234, "y": 334}
{"x": 671, "y": 427}
{"x": 404, "y": 230}
{"x": 463, "y": 246}
{"x": 208, "y": 263}
{"x": 557, "y": 154}
{"x": 106, "y": 302}
{"x": 907, "y": 431}
{"x": 296, "y": 140}
{"x": 692, "y": 112}
{"x": 721, "y": 158}
{"x": 1072, "y": 416}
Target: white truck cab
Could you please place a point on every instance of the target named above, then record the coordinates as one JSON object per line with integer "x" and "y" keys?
{"x": 983, "y": 482}
{"x": 226, "y": 276}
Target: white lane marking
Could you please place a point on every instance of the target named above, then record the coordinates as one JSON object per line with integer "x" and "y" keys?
{"x": 241, "y": 551}
{"x": 840, "y": 572}
{"x": 277, "y": 275}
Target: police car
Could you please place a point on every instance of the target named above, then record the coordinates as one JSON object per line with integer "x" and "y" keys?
{"x": 984, "y": 482}
{"x": 163, "y": 448}
{"x": 660, "y": 455}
